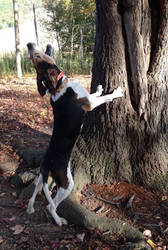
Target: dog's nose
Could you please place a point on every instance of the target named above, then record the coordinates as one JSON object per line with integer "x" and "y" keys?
{"x": 31, "y": 46}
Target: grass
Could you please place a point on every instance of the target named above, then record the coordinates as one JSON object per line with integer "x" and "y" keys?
{"x": 70, "y": 65}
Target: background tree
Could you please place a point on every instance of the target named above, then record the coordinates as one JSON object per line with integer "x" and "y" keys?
{"x": 17, "y": 38}
{"x": 127, "y": 139}
{"x": 73, "y": 22}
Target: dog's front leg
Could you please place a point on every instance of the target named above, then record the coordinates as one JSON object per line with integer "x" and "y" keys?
{"x": 96, "y": 101}
{"x": 51, "y": 207}
{"x": 98, "y": 91}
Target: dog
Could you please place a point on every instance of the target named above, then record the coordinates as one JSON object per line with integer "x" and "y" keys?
{"x": 70, "y": 102}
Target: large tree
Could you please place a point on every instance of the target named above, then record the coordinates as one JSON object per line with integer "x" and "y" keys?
{"x": 128, "y": 139}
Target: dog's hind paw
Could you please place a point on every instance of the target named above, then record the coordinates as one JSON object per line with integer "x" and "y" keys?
{"x": 60, "y": 221}
{"x": 64, "y": 221}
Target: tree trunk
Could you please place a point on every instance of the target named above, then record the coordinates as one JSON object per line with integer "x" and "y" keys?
{"x": 17, "y": 38}
{"x": 59, "y": 44}
{"x": 35, "y": 24}
{"x": 81, "y": 44}
{"x": 127, "y": 139}
{"x": 72, "y": 41}
{"x": 72, "y": 34}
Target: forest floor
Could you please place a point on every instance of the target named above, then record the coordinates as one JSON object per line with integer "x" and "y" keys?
{"x": 24, "y": 115}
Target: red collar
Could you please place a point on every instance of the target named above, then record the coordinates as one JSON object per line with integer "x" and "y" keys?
{"x": 61, "y": 74}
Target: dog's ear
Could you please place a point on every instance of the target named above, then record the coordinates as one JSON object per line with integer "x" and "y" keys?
{"x": 52, "y": 75}
{"x": 49, "y": 50}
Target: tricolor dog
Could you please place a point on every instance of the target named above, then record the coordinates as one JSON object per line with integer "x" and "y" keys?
{"x": 70, "y": 102}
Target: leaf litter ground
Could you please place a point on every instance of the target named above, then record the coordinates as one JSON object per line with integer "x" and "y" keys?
{"x": 23, "y": 114}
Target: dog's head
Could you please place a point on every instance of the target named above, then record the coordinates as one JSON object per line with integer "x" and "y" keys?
{"x": 49, "y": 76}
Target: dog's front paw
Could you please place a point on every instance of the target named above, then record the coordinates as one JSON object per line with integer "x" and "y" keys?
{"x": 99, "y": 89}
{"x": 118, "y": 92}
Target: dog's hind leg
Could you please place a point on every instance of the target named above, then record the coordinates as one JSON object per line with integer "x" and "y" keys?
{"x": 62, "y": 194}
{"x": 30, "y": 207}
{"x": 96, "y": 101}
{"x": 51, "y": 207}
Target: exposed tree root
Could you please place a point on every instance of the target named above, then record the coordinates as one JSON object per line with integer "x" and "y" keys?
{"x": 75, "y": 213}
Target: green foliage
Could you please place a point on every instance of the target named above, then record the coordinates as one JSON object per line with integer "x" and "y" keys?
{"x": 8, "y": 64}
{"x": 69, "y": 19}
{"x": 27, "y": 66}
{"x": 69, "y": 64}
{"x": 6, "y": 13}
{"x": 73, "y": 64}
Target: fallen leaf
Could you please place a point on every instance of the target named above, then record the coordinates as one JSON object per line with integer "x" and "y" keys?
{"x": 20, "y": 204}
{"x": 54, "y": 245}
{"x": 17, "y": 229}
{"x": 4, "y": 220}
{"x": 12, "y": 218}
{"x": 1, "y": 239}
{"x": 166, "y": 230}
{"x": 164, "y": 197}
{"x": 14, "y": 194}
{"x": 151, "y": 243}
{"x": 81, "y": 237}
{"x": 46, "y": 248}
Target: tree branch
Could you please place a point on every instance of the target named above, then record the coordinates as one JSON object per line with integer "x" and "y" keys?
{"x": 132, "y": 23}
{"x": 160, "y": 54}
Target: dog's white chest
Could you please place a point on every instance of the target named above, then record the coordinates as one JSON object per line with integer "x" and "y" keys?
{"x": 77, "y": 88}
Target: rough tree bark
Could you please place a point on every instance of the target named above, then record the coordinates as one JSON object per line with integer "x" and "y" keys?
{"x": 127, "y": 139}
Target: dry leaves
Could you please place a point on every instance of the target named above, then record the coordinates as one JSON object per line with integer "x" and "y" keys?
{"x": 17, "y": 229}
{"x": 1, "y": 239}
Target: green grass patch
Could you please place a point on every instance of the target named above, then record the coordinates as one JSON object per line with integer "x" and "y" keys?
{"x": 69, "y": 64}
